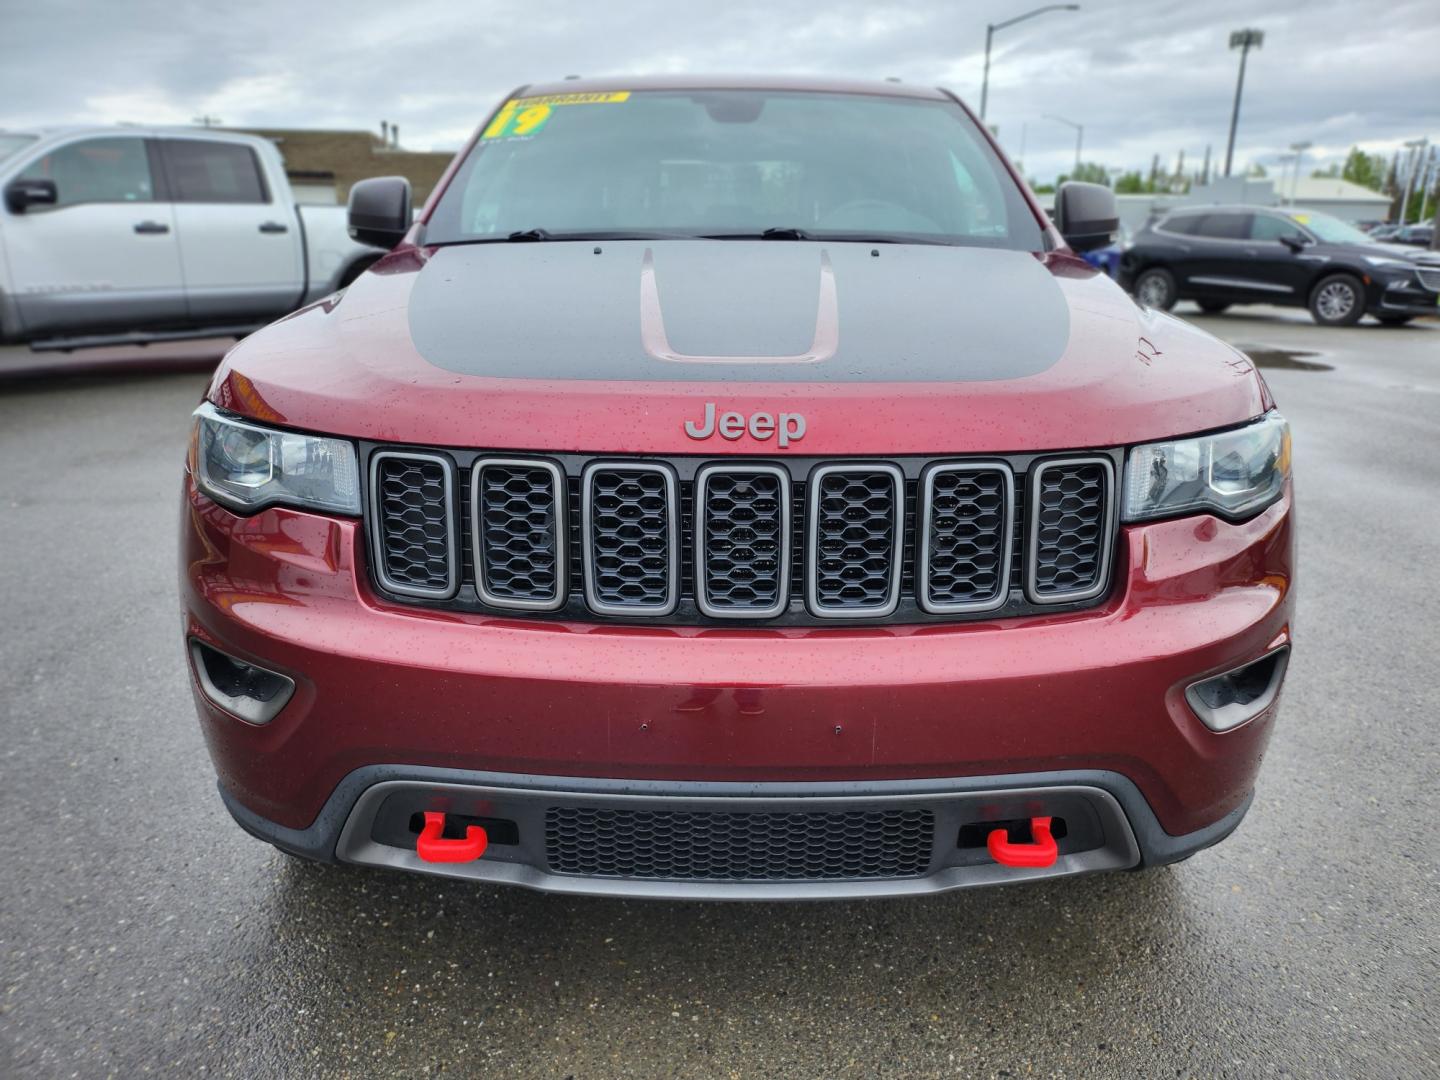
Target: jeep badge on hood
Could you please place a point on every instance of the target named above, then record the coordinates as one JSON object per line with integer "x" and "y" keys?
{"x": 788, "y": 427}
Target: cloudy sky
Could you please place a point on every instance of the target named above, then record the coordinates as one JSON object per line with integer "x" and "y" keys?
{"x": 1142, "y": 77}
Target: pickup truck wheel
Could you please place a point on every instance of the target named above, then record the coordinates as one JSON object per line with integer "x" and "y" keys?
{"x": 1155, "y": 288}
{"x": 1338, "y": 300}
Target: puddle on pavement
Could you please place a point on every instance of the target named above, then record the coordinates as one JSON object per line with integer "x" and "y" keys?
{"x": 1267, "y": 356}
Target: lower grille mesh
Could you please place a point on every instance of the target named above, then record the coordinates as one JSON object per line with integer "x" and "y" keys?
{"x": 682, "y": 845}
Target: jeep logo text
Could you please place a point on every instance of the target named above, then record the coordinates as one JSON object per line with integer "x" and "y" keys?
{"x": 786, "y": 427}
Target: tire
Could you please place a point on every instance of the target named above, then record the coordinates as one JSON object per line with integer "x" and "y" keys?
{"x": 1212, "y": 307}
{"x": 1394, "y": 320}
{"x": 1338, "y": 300}
{"x": 1155, "y": 288}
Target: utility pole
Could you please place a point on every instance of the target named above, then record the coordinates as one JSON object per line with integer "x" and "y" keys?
{"x": 990, "y": 36}
{"x": 207, "y": 120}
{"x": 1244, "y": 40}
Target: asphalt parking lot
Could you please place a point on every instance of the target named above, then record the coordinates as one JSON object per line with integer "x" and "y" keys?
{"x": 142, "y": 933}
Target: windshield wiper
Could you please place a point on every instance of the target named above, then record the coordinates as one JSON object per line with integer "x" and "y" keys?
{"x": 785, "y": 233}
{"x": 521, "y": 236}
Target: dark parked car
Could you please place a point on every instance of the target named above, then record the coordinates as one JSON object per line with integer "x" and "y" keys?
{"x": 1223, "y": 255}
{"x": 1422, "y": 235}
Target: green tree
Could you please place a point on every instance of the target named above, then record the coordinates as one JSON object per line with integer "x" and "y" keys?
{"x": 1256, "y": 171}
{"x": 1367, "y": 170}
{"x": 1130, "y": 183}
{"x": 1091, "y": 172}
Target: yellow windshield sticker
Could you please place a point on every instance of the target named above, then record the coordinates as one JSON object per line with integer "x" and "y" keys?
{"x": 1303, "y": 219}
{"x": 520, "y": 117}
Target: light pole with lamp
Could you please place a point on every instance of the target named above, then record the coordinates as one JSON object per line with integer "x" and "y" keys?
{"x": 1244, "y": 40}
{"x": 990, "y": 35}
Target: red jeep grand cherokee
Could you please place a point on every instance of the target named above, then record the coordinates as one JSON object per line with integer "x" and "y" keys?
{"x": 736, "y": 488}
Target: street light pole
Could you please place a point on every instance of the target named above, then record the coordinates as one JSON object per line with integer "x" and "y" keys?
{"x": 1079, "y": 136}
{"x": 1299, "y": 148}
{"x": 990, "y": 37}
{"x": 1244, "y": 40}
{"x": 1418, "y": 146}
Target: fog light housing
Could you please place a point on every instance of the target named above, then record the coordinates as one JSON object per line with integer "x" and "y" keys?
{"x": 1235, "y": 697}
{"x": 244, "y": 690}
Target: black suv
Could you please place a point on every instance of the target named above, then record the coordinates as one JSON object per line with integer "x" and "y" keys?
{"x": 1223, "y": 255}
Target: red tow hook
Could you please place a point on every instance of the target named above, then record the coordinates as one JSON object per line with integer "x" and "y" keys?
{"x": 1041, "y": 852}
{"x": 433, "y": 848}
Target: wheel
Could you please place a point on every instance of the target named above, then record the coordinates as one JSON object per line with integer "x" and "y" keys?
{"x": 1212, "y": 307}
{"x": 1155, "y": 288}
{"x": 1394, "y": 320}
{"x": 1338, "y": 300}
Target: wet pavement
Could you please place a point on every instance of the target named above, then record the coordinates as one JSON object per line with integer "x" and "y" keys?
{"x": 141, "y": 933}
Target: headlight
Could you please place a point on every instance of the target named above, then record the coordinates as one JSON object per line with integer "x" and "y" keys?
{"x": 1388, "y": 263}
{"x": 245, "y": 466}
{"x": 1232, "y": 473}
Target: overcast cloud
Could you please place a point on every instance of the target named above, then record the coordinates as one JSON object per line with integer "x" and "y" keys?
{"x": 1142, "y": 77}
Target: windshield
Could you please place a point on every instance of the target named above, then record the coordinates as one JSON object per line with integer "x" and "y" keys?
{"x": 1330, "y": 230}
{"x": 733, "y": 163}
{"x": 9, "y": 144}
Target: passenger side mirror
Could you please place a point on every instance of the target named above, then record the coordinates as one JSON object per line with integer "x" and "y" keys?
{"x": 379, "y": 211}
{"x": 1295, "y": 242}
{"x": 20, "y": 195}
{"x": 1086, "y": 215}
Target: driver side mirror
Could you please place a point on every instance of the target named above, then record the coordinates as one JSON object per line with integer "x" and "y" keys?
{"x": 20, "y": 195}
{"x": 379, "y": 211}
{"x": 1086, "y": 215}
{"x": 1295, "y": 242}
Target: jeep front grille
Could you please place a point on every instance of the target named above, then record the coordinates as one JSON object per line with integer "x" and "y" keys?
{"x": 517, "y": 527}
{"x": 1071, "y": 523}
{"x": 413, "y": 512}
{"x": 698, "y": 845}
{"x": 795, "y": 541}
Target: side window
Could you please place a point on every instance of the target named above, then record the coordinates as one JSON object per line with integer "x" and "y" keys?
{"x": 97, "y": 171}
{"x": 1226, "y": 226}
{"x": 1184, "y": 224}
{"x": 1270, "y": 227}
{"x": 213, "y": 172}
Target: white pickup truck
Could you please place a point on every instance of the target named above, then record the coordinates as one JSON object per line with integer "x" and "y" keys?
{"x": 117, "y": 235}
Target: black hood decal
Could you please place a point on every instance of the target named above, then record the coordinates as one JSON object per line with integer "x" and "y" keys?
{"x": 726, "y": 310}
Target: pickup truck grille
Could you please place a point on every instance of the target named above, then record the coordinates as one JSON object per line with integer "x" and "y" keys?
{"x": 799, "y": 541}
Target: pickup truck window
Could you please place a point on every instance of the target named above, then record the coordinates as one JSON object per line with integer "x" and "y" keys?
{"x": 201, "y": 171}
{"x": 735, "y": 163}
{"x": 97, "y": 171}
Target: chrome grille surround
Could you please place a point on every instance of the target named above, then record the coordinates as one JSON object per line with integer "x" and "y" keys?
{"x": 591, "y": 536}
{"x": 1099, "y": 533}
{"x": 927, "y": 551}
{"x": 380, "y": 522}
{"x": 713, "y": 606}
{"x": 480, "y": 532}
{"x": 852, "y": 544}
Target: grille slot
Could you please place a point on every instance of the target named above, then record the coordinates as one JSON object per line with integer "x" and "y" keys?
{"x": 695, "y": 845}
{"x": 518, "y": 533}
{"x": 412, "y": 499}
{"x": 1070, "y": 529}
{"x": 742, "y": 537}
{"x": 965, "y": 537}
{"x": 855, "y": 540}
{"x": 630, "y": 525}
{"x": 1429, "y": 278}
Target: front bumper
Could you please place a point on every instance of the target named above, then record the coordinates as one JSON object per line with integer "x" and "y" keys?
{"x": 1093, "y": 699}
